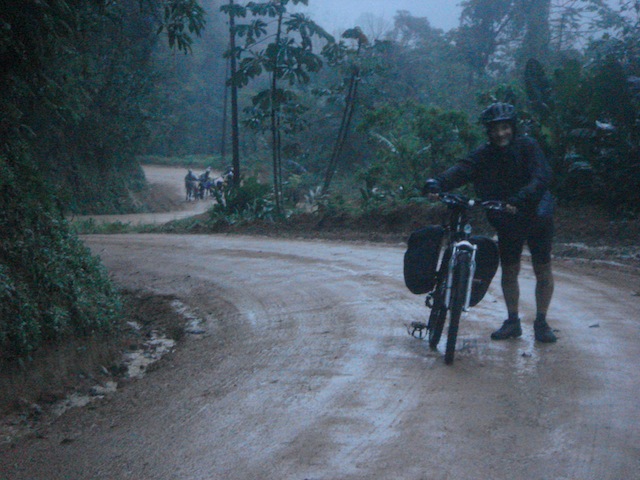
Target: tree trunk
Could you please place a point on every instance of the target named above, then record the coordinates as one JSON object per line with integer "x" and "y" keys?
{"x": 235, "y": 132}
{"x": 275, "y": 124}
{"x": 535, "y": 43}
{"x": 347, "y": 115}
{"x": 223, "y": 136}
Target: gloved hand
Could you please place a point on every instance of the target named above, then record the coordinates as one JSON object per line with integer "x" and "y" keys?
{"x": 431, "y": 186}
{"x": 512, "y": 204}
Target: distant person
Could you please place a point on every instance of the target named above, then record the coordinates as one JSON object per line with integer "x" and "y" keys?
{"x": 512, "y": 168}
{"x": 191, "y": 185}
{"x": 205, "y": 175}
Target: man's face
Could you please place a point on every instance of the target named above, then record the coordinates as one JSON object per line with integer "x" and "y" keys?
{"x": 501, "y": 133}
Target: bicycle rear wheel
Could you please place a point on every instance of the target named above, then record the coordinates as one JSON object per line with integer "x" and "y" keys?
{"x": 461, "y": 271}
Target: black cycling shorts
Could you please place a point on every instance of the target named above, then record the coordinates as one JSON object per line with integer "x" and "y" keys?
{"x": 514, "y": 232}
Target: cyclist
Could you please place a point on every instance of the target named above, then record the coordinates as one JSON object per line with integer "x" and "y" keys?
{"x": 513, "y": 169}
{"x": 205, "y": 175}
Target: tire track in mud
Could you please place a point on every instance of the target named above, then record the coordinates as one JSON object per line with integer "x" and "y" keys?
{"x": 306, "y": 371}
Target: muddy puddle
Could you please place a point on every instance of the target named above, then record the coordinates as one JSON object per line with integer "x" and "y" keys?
{"x": 136, "y": 362}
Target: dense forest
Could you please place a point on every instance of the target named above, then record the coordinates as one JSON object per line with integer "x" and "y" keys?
{"x": 358, "y": 117}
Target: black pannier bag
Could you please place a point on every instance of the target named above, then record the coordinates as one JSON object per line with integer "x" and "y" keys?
{"x": 421, "y": 259}
{"x": 487, "y": 260}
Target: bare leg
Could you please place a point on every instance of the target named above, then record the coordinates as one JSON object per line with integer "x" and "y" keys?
{"x": 544, "y": 292}
{"x": 511, "y": 288}
{"x": 544, "y": 287}
{"x": 511, "y": 291}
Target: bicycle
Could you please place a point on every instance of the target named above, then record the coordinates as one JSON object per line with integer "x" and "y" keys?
{"x": 458, "y": 284}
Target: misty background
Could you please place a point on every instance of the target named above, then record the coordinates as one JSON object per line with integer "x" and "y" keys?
{"x": 371, "y": 104}
{"x": 338, "y": 15}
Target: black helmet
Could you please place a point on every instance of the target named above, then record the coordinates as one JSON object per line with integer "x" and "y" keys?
{"x": 498, "y": 112}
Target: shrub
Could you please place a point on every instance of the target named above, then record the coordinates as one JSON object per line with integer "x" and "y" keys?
{"x": 51, "y": 287}
{"x": 250, "y": 201}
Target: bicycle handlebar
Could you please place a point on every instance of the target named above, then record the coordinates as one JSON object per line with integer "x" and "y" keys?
{"x": 495, "y": 205}
{"x": 458, "y": 200}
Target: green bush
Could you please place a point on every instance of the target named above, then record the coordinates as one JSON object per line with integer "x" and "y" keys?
{"x": 250, "y": 201}
{"x": 51, "y": 287}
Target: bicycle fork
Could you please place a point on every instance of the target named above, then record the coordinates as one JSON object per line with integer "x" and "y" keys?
{"x": 457, "y": 248}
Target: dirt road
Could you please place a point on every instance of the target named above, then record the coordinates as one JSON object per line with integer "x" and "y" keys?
{"x": 167, "y": 192}
{"x": 306, "y": 371}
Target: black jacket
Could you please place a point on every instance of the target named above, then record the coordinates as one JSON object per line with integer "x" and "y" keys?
{"x": 518, "y": 174}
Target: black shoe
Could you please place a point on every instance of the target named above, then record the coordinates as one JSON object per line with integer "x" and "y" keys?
{"x": 543, "y": 333}
{"x": 509, "y": 329}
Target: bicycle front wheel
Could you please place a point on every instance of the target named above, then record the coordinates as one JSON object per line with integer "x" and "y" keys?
{"x": 438, "y": 314}
{"x": 461, "y": 271}
{"x": 436, "y": 324}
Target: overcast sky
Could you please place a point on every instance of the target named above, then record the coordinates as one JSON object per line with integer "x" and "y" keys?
{"x": 342, "y": 14}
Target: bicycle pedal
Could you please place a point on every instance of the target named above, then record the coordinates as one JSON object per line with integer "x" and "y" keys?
{"x": 417, "y": 329}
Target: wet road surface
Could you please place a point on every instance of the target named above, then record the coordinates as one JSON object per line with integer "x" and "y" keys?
{"x": 307, "y": 372}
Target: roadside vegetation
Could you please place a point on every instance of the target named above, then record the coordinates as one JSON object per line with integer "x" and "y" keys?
{"x": 70, "y": 126}
{"x": 323, "y": 132}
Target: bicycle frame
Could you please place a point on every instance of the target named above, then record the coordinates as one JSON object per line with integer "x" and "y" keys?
{"x": 458, "y": 231}
{"x": 455, "y": 274}
{"x": 463, "y": 245}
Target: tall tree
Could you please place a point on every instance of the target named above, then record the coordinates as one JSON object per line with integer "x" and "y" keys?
{"x": 595, "y": 145}
{"x": 534, "y": 16}
{"x": 349, "y": 105}
{"x": 289, "y": 57}
{"x": 482, "y": 27}
{"x": 567, "y": 24}
{"x": 65, "y": 65}
{"x": 234, "y": 11}
{"x": 489, "y": 26}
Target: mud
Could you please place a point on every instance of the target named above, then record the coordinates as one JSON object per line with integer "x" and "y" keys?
{"x": 304, "y": 370}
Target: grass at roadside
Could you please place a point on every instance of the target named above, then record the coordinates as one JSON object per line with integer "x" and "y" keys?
{"x": 90, "y": 226}
{"x": 583, "y": 233}
{"x": 30, "y": 389}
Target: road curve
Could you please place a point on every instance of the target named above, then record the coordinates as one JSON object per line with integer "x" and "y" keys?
{"x": 307, "y": 372}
